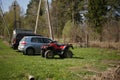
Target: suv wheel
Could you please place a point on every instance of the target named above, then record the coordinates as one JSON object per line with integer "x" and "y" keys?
{"x": 30, "y": 51}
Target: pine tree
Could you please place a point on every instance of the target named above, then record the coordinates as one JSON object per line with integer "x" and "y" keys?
{"x": 96, "y": 14}
{"x": 64, "y": 11}
{"x": 114, "y": 6}
{"x": 32, "y": 14}
{"x": 10, "y": 18}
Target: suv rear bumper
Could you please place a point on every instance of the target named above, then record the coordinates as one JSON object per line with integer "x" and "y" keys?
{"x": 21, "y": 48}
{"x": 14, "y": 46}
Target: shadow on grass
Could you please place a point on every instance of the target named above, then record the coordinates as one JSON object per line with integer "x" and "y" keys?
{"x": 56, "y": 57}
{"x": 36, "y": 54}
{"x": 78, "y": 58}
{"x": 68, "y": 58}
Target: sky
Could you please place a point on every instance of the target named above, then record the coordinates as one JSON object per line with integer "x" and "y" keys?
{"x": 22, "y": 3}
{"x": 7, "y": 3}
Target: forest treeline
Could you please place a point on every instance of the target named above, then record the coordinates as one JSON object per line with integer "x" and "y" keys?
{"x": 71, "y": 20}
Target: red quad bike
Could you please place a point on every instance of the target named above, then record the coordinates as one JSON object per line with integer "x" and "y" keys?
{"x": 52, "y": 49}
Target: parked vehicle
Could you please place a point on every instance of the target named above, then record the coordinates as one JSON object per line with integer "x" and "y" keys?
{"x": 18, "y": 34}
{"x": 48, "y": 51}
{"x": 18, "y": 37}
{"x": 30, "y": 45}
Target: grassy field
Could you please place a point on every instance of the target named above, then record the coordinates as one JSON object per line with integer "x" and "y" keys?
{"x": 85, "y": 63}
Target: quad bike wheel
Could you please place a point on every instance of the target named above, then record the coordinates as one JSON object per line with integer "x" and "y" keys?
{"x": 68, "y": 54}
{"x": 49, "y": 54}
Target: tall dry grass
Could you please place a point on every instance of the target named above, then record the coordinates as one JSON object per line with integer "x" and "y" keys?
{"x": 111, "y": 45}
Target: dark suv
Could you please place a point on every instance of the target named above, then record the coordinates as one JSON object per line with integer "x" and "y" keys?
{"x": 16, "y": 39}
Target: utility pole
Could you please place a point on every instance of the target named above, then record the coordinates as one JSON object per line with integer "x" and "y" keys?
{"x": 49, "y": 22}
{"x": 15, "y": 24}
{"x": 37, "y": 17}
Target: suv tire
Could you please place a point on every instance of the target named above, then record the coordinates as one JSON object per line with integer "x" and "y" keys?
{"x": 30, "y": 51}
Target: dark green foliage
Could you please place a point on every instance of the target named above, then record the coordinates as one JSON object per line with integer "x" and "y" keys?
{"x": 1, "y": 21}
{"x": 75, "y": 11}
{"x": 96, "y": 12}
{"x": 8, "y": 24}
{"x": 114, "y": 6}
{"x": 63, "y": 11}
{"x": 31, "y": 5}
{"x": 31, "y": 15}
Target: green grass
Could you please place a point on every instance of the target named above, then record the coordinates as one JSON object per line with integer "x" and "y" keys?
{"x": 86, "y": 62}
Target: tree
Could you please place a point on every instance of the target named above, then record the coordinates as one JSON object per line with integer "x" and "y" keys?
{"x": 113, "y": 16}
{"x": 9, "y": 17}
{"x": 15, "y": 9}
{"x": 64, "y": 11}
{"x": 32, "y": 14}
{"x": 1, "y": 26}
{"x": 71, "y": 32}
{"x": 96, "y": 14}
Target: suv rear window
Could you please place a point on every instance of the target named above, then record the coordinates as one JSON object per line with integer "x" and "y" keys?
{"x": 21, "y": 35}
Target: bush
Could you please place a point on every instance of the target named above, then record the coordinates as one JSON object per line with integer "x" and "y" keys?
{"x": 71, "y": 32}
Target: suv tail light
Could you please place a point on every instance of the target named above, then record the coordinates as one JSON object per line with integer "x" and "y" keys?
{"x": 14, "y": 40}
{"x": 23, "y": 43}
